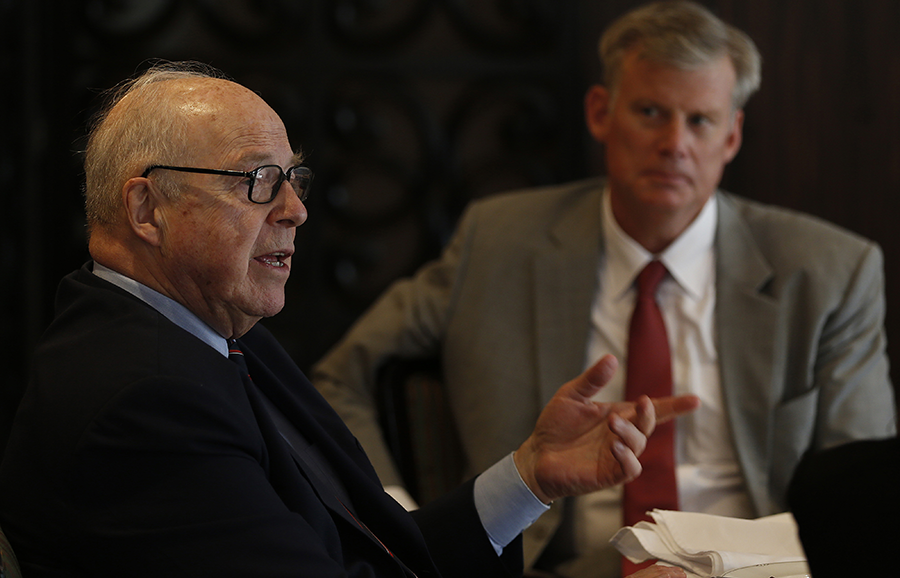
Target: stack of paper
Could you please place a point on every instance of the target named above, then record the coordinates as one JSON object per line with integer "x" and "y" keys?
{"x": 708, "y": 545}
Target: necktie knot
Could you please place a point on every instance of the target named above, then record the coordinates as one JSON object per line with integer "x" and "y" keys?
{"x": 237, "y": 356}
{"x": 649, "y": 278}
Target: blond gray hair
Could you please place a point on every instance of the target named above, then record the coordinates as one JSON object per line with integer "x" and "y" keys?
{"x": 138, "y": 126}
{"x": 682, "y": 34}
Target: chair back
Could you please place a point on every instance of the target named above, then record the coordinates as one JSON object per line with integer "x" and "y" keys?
{"x": 9, "y": 566}
{"x": 419, "y": 428}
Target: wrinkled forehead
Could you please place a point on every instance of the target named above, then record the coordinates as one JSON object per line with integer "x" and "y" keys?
{"x": 710, "y": 62}
{"x": 713, "y": 79}
{"x": 223, "y": 119}
{"x": 207, "y": 96}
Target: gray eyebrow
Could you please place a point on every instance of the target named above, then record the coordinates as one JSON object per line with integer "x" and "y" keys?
{"x": 297, "y": 159}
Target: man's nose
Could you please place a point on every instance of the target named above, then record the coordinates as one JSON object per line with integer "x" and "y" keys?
{"x": 288, "y": 210}
{"x": 675, "y": 137}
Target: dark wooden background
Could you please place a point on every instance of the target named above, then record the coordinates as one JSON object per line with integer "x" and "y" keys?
{"x": 410, "y": 108}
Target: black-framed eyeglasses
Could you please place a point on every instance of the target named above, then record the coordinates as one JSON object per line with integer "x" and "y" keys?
{"x": 263, "y": 182}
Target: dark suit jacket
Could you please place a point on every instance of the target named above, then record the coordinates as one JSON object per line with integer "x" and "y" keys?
{"x": 140, "y": 451}
{"x": 847, "y": 502}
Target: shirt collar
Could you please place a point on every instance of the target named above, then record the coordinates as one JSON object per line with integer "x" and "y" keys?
{"x": 169, "y": 308}
{"x": 625, "y": 257}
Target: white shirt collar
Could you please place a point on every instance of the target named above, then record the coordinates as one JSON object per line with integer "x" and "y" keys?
{"x": 169, "y": 308}
{"x": 625, "y": 257}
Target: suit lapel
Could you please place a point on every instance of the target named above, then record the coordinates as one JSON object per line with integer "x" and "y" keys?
{"x": 565, "y": 279}
{"x": 301, "y": 453}
{"x": 746, "y": 322}
{"x": 326, "y": 434}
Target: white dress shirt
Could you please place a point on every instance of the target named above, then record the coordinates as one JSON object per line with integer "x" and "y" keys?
{"x": 708, "y": 474}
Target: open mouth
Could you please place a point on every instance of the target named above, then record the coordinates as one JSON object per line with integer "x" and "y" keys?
{"x": 276, "y": 259}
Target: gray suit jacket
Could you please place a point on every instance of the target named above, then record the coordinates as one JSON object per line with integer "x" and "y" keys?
{"x": 799, "y": 319}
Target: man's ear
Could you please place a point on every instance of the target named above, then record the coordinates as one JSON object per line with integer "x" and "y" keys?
{"x": 141, "y": 206}
{"x": 596, "y": 111}
{"x": 735, "y": 136}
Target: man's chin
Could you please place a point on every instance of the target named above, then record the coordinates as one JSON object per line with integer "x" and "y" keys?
{"x": 666, "y": 199}
{"x": 271, "y": 309}
{"x": 260, "y": 308}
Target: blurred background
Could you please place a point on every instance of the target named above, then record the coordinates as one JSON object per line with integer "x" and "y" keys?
{"x": 409, "y": 109}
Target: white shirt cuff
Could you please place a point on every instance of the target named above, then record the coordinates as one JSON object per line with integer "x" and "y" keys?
{"x": 505, "y": 504}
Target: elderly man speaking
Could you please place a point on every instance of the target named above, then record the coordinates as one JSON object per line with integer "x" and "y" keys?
{"x": 165, "y": 433}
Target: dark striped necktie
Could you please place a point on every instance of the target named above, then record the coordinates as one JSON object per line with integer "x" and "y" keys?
{"x": 237, "y": 356}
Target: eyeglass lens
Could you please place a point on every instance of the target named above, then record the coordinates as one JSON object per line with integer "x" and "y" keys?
{"x": 269, "y": 179}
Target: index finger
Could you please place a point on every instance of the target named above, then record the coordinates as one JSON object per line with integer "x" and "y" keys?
{"x": 671, "y": 407}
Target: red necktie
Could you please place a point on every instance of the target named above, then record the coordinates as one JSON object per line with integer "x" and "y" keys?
{"x": 649, "y": 372}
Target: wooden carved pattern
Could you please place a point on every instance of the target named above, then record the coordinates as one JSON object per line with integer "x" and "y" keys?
{"x": 405, "y": 109}
{"x": 408, "y": 109}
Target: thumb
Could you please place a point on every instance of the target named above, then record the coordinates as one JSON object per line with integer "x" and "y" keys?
{"x": 593, "y": 379}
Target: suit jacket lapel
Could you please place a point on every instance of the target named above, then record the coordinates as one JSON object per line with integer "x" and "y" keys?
{"x": 300, "y": 454}
{"x": 305, "y": 408}
{"x": 565, "y": 280}
{"x": 746, "y": 322}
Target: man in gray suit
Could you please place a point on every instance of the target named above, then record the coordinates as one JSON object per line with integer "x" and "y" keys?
{"x": 775, "y": 319}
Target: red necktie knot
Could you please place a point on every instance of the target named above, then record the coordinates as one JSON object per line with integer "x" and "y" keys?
{"x": 648, "y": 280}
